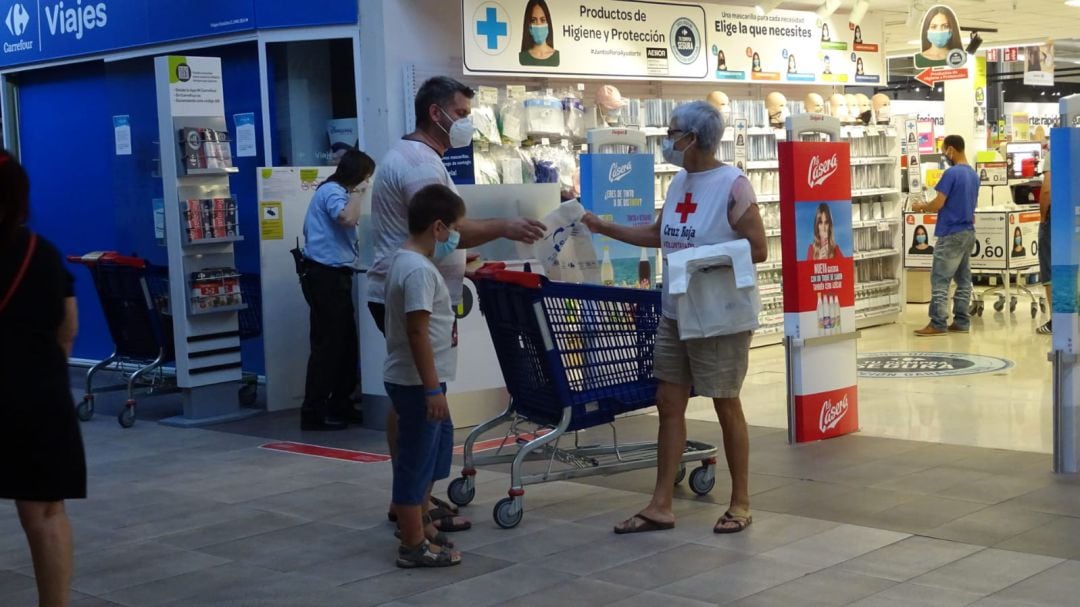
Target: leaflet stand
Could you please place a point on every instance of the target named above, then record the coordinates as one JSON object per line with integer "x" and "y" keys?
{"x": 191, "y": 115}
{"x": 1065, "y": 262}
{"x": 819, "y": 282}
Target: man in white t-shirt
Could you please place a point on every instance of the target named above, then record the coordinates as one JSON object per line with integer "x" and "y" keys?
{"x": 442, "y": 122}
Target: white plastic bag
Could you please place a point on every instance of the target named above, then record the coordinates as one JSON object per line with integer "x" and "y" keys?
{"x": 566, "y": 251}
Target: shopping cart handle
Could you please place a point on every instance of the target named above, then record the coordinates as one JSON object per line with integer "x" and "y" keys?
{"x": 487, "y": 270}
{"x": 522, "y": 279}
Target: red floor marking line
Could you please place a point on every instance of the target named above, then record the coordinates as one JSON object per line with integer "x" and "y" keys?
{"x": 327, "y": 452}
{"x": 495, "y": 443}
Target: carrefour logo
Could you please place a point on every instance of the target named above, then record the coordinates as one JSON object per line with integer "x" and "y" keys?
{"x": 17, "y": 19}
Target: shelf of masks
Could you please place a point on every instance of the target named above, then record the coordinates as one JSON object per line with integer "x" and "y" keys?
{"x": 874, "y": 192}
{"x": 871, "y": 130}
{"x": 876, "y": 254}
{"x": 865, "y": 160}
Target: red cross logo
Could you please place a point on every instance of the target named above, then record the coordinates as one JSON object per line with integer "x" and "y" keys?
{"x": 686, "y": 208}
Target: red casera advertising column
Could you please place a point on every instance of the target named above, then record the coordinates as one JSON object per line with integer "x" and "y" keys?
{"x": 819, "y": 287}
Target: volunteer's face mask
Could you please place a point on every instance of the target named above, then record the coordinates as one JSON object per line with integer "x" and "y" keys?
{"x": 444, "y": 248}
{"x": 939, "y": 39}
{"x": 920, "y": 238}
{"x": 460, "y": 131}
{"x": 671, "y": 155}
{"x": 539, "y": 33}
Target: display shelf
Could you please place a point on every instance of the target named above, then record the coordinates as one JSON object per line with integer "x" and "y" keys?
{"x": 877, "y": 312}
{"x": 654, "y": 131}
{"x": 663, "y": 167}
{"x": 867, "y": 160}
{"x": 877, "y": 284}
{"x": 772, "y": 233}
{"x": 212, "y": 241}
{"x": 767, "y": 337}
{"x": 873, "y": 223}
{"x": 770, "y": 265}
{"x": 210, "y": 172}
{"x": 769, "y": 289}
{"x": 217, "y": 309}
{"x": 874, "y": 192}
{"x": 769, "y": 198}
{"x": 760, "y": 165}
{"x": 877, "y": 254}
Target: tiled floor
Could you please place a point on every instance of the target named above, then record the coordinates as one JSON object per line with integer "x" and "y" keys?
{"x": 205, "y": 517}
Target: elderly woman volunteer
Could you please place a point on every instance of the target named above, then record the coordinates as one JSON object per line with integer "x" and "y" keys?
{"x": 718, "y": 205}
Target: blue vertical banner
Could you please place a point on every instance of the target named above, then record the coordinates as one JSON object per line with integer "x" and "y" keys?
{"x": 1064, "y": 215}
{"x": 620, "y": 188}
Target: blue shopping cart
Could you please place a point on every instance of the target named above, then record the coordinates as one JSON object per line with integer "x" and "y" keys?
{"x": 573, "y": 357}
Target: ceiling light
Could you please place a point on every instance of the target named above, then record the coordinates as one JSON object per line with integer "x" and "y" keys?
{"x": 857, "y": 13}
{"x": 829, "y": 7}
{"x": 764, "y": 7}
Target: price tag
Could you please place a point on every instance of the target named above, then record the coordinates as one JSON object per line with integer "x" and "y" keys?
{"x": 548, "y": 93}
{"x": 871, "y": 131}
{"x": 883, "y": 226}
{"x": 856, "y": 132}
{"x": 488, "y": 95}
{"x": 515, "y": 91}
{"x": 584, "y": 148}
{"x": 581, "y": 86}
{"x": 544, "y": 141}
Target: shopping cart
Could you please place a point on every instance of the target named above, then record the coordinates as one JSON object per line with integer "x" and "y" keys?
{"x": 134, "y": 298}
{"x": 573, "y": 357}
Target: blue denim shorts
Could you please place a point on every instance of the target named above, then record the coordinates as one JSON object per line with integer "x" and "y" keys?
{"x": 425, "y": 447}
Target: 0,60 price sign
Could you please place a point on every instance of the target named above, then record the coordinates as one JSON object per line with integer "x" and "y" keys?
{"x": 990, "y": 251}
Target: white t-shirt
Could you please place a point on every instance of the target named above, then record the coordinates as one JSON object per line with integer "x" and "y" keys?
{"x": 414, "y": 284}
{"x": 404, "y": 171}
{"x": 700, "y": 210}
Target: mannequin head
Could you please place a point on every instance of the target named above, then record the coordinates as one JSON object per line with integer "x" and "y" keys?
{"x": 838, "y": 107}
{"x": 610, "y": 102}
{"x": 852, "y": 106}
{"x": 882, "y": 106}
{"x": 862, "y": 102}
{"x": 720, "y": 101}
{"x": 776, "y": 106}
{"x": 814, "y": 104}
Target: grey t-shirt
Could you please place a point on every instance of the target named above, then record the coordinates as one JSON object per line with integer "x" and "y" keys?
{"x": 413, "y": 283}
{"x": 407, "y": 168}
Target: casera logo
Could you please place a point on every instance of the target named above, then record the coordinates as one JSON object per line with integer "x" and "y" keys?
{"x": 618, "y": 171}
{"x": 821, "y": 170}
{"x": 75, "y": 20}
{"x": 17, "y": 19}
{"x": 832, "y": 414}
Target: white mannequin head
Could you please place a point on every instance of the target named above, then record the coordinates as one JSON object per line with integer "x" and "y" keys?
{"x": 838, "y": 107}
{"x": 776, "y": 106}
{"x": 814, "y": 104}
{"x": 720, "y": 101}
{"x": 882, "y": 108}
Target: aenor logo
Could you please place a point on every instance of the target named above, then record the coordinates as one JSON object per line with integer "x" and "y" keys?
{"x": 821, "y": 170}
{"x": 75, "y": 19}
{"x": 831, "y": 414}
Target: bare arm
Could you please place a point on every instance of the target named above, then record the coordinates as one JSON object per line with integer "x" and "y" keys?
{"x": 350, "y": 215}
{"x": 475, "y": 232}
{"x": 416, "y": 328}
{"x": 643, "y": 236}
{"x": 930, "y": 207}
{"x": 69, "y": 327}
{"x": 752, "y": 228}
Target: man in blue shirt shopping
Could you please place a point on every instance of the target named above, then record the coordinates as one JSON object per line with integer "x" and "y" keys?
{"x": 957, "y": 195}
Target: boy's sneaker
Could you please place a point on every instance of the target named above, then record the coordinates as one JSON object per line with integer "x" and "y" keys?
{"x": 1046, "y": 329}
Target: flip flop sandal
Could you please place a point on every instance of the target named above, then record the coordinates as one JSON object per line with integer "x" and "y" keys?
{"x": 741, "y": 522}
{"x": 422, "y": 556}
{"x": 647, "y": 524}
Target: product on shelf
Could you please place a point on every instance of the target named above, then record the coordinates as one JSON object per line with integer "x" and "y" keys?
{"x": 205, "y": 149}
{"x": 814, "y": 104}
{"x": 838, "y": 108}
{"x": 610, "y": 102}
{"x": 215, "y": 288}
{"x": 720, "y": 101}
{"x": 544, "y": 116}
{"x": 209, "y": 218}
{"x": 864, "y": 113}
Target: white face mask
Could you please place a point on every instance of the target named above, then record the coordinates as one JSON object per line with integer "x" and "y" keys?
{"x": 461, "y": 130}
{"x": 671, "y": 155}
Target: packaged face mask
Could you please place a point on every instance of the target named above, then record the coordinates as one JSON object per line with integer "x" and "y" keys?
{"x": 544, "y": 116}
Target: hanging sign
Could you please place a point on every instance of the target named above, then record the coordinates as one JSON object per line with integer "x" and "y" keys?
{"x": 993, "y": 173}
{"x": 819, "y": 286}
{"x": 940, "y": 40}
{"x": 933, "y": 75}
{"x": 195, "y": 88}
{"x": 122, "y": 134}
{"x": 1023, "y": 234}
{"x": 919, "y": 239}
{"x": 664, "y": 40}
{"x": 1039, "y": 65}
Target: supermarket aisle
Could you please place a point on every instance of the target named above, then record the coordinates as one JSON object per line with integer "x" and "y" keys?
{"x": 1004, "y": 409}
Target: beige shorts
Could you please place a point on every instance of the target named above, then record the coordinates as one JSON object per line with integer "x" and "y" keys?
{"x": 714, "y": 366}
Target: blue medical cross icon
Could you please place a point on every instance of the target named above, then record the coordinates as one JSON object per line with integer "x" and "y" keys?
{"x": 492, "y": 28}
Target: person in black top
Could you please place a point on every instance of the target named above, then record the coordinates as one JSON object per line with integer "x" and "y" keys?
{"x": 40, "y": 442}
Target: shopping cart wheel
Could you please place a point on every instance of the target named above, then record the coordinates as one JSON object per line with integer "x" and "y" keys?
{"x": 85, "y": 409}
{"x": 681, "y": 474}
{"x": 702, "y": 480}
{"x": 999, "y": 305}
{"x": 1012, "y": 304}
{"x": 126, "y": 416}
{"x": 508, "y": 512}
{"x": 461, "y": 491}
{"x": 248, "y": 394}
{"x": 973, "y": 309}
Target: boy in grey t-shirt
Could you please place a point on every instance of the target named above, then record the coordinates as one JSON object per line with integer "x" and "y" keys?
{"x": 420, "y": 359}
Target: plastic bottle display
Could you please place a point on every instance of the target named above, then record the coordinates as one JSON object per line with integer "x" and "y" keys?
{"x": 607, "y": 271}
{"x": 820, "y": 315}
{"x": 644, "y": 270}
